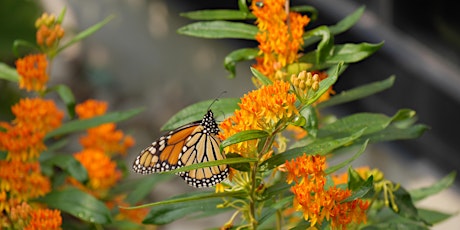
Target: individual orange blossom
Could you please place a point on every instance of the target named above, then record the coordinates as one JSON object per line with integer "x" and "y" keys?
{"x": 279, "y": 36}
{"x": 32, "y": 70}
{"x": 318, "y": 203}
{"x": 21, "y": 181}
{"x": 102, "y": 171}
{"x": 44, "y": 219}
{"x": 261, "y": 109}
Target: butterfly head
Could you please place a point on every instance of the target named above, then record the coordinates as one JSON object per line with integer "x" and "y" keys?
{"x": 209, "y": 123}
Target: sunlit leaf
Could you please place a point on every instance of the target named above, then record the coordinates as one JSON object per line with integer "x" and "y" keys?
{"x": 262, "y": 78}
{"x": 8, "y": 73}
{"x": 243, "y": 136}
{"x": 220, "y": 29}
{"x": 79, "y": 204}
{"x": 218, "y": 15}
{"x": 228, "y": 161}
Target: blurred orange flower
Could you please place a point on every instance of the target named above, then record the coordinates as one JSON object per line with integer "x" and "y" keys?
{"x": 49, "y": 30}
{"x": 44, "y": 219}
{"x": 32, "y": 70}
{"x": 102, "y": 171}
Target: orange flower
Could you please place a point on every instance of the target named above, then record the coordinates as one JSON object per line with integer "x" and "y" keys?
{"x": 41, "y": 114}
{"x": 315, "y": 201}
{"x": 33, "y": 72}
{"x": 104, "y": 137}
{"x": 23, "y": 140}
{"x": 102, "y": 171}
{"x": 21, "y": 181}
{"x": 44, "y": 219}
{"x": 279, "y": 37}
{"x": 91, "y": 108}
{"x": 261, "y": 109}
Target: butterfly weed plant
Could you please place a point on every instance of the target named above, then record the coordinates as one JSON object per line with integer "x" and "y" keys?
{"x": 267, "y": 159}
{"x": 276, "y": 141}
{"x": 44, "y": 185}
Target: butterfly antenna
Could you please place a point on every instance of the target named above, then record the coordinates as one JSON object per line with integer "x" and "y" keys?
{"x": 216, "y": 99}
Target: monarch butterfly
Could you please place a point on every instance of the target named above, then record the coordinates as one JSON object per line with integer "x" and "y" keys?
{"x": 192, "y": 143}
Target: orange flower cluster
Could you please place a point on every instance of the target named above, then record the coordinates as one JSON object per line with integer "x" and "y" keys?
{"x": 105, "y": 137}
{"x": 102, "y": 171}
{"x": 20, "y": 181}
{"x": 315, "y": 201}
{"x": 32, "y": 70}
{"x": 23, "y": 139}
{"x": 279, "y": 37}
{"x": 261, "y": 109}
{"x": 49, "y": 30}
{"x": 44, "y": 219}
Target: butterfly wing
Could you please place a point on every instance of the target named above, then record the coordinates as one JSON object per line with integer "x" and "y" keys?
{"x": 202, "y": 147}
{"x": 163, "y": 154}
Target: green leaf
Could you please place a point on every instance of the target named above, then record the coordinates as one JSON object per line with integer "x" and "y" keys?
{"x": 243, "y": 6}
{"x": 243, "y": 136}
{"x": 22, "y": 43}
{"x": 61, "y": 16}
{"x": 358, "y": 93}
{"x": 78, "y": 204}
{"x": 195, "y": 112}
{"x": 245, "y": 167}
{"x": 310, "y": 116}
{"x": 79, "y": 125}
{"x": 8, "y": 73}
{"x": 421, "y": 193}
{"x": 86, "y": 33}
{"x": 67, "y": 97}
{"x": 218, "y": 15}
{"x": 342, "y": 164}
{"x": 362, "y": 190}
{"x": 262, "y": 78}
{"x": 238, "y": 55}
{"x": 338, "y": 28}
{"x": 69, "y": 164}
{"x": 227, "y": 161}
{"x": 319, "y": 146}
{"x": 325, "y": 84}
{"x": 405, "y": 205}
{"x": 351, "y": 53}
{"x": 220, "y": 29}
{"x": 432, "y": 216}
{"x": 391, "y": 133}
{"x": 189, "y": 197}
{"x": 325, "y": 45}
{"x": 371, "y": 122}
{"x": 137, "y": 189}
{"x": 312, "y": 11}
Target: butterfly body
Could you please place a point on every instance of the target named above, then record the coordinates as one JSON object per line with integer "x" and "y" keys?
{"x": 192, "y": 143}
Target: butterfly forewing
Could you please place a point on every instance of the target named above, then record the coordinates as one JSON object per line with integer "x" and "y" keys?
{"x": 190, "y": 144}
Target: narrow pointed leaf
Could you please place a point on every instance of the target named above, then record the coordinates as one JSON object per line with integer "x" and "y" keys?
{"x": 22, "y": 43}
{"x": 238, "y": 55}
{"x": 432, "y": 216}
{"x": 227, "y": 161}
{"x": 69, "y": 164}
{"x": 311, "y": 11}
{"x": 218, "y": 15}
{"x": 67, "y": 97}
{"x": 86, "y": 33}
{"x": 344, "y": 163}
{"x": 79, "y": 125}
{"x": 262, "y": 78}
{"x": 195, "y": 112}
{"x": 371, "y": 122}
{"x": 79, "y": 204}
{"x": 362, "y": 191}
{"x": 8, "y": 73}
{"x": 220, "y": 29}
{"x": 243, "y": 136}
{"x": 358, "y": 93}
{"x": 319, "y": 146}
{"x": 421, "y": 193}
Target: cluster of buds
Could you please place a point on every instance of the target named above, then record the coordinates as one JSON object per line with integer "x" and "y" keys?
{"x": 49, "y": 30}
{"x": 304, "y": 82}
